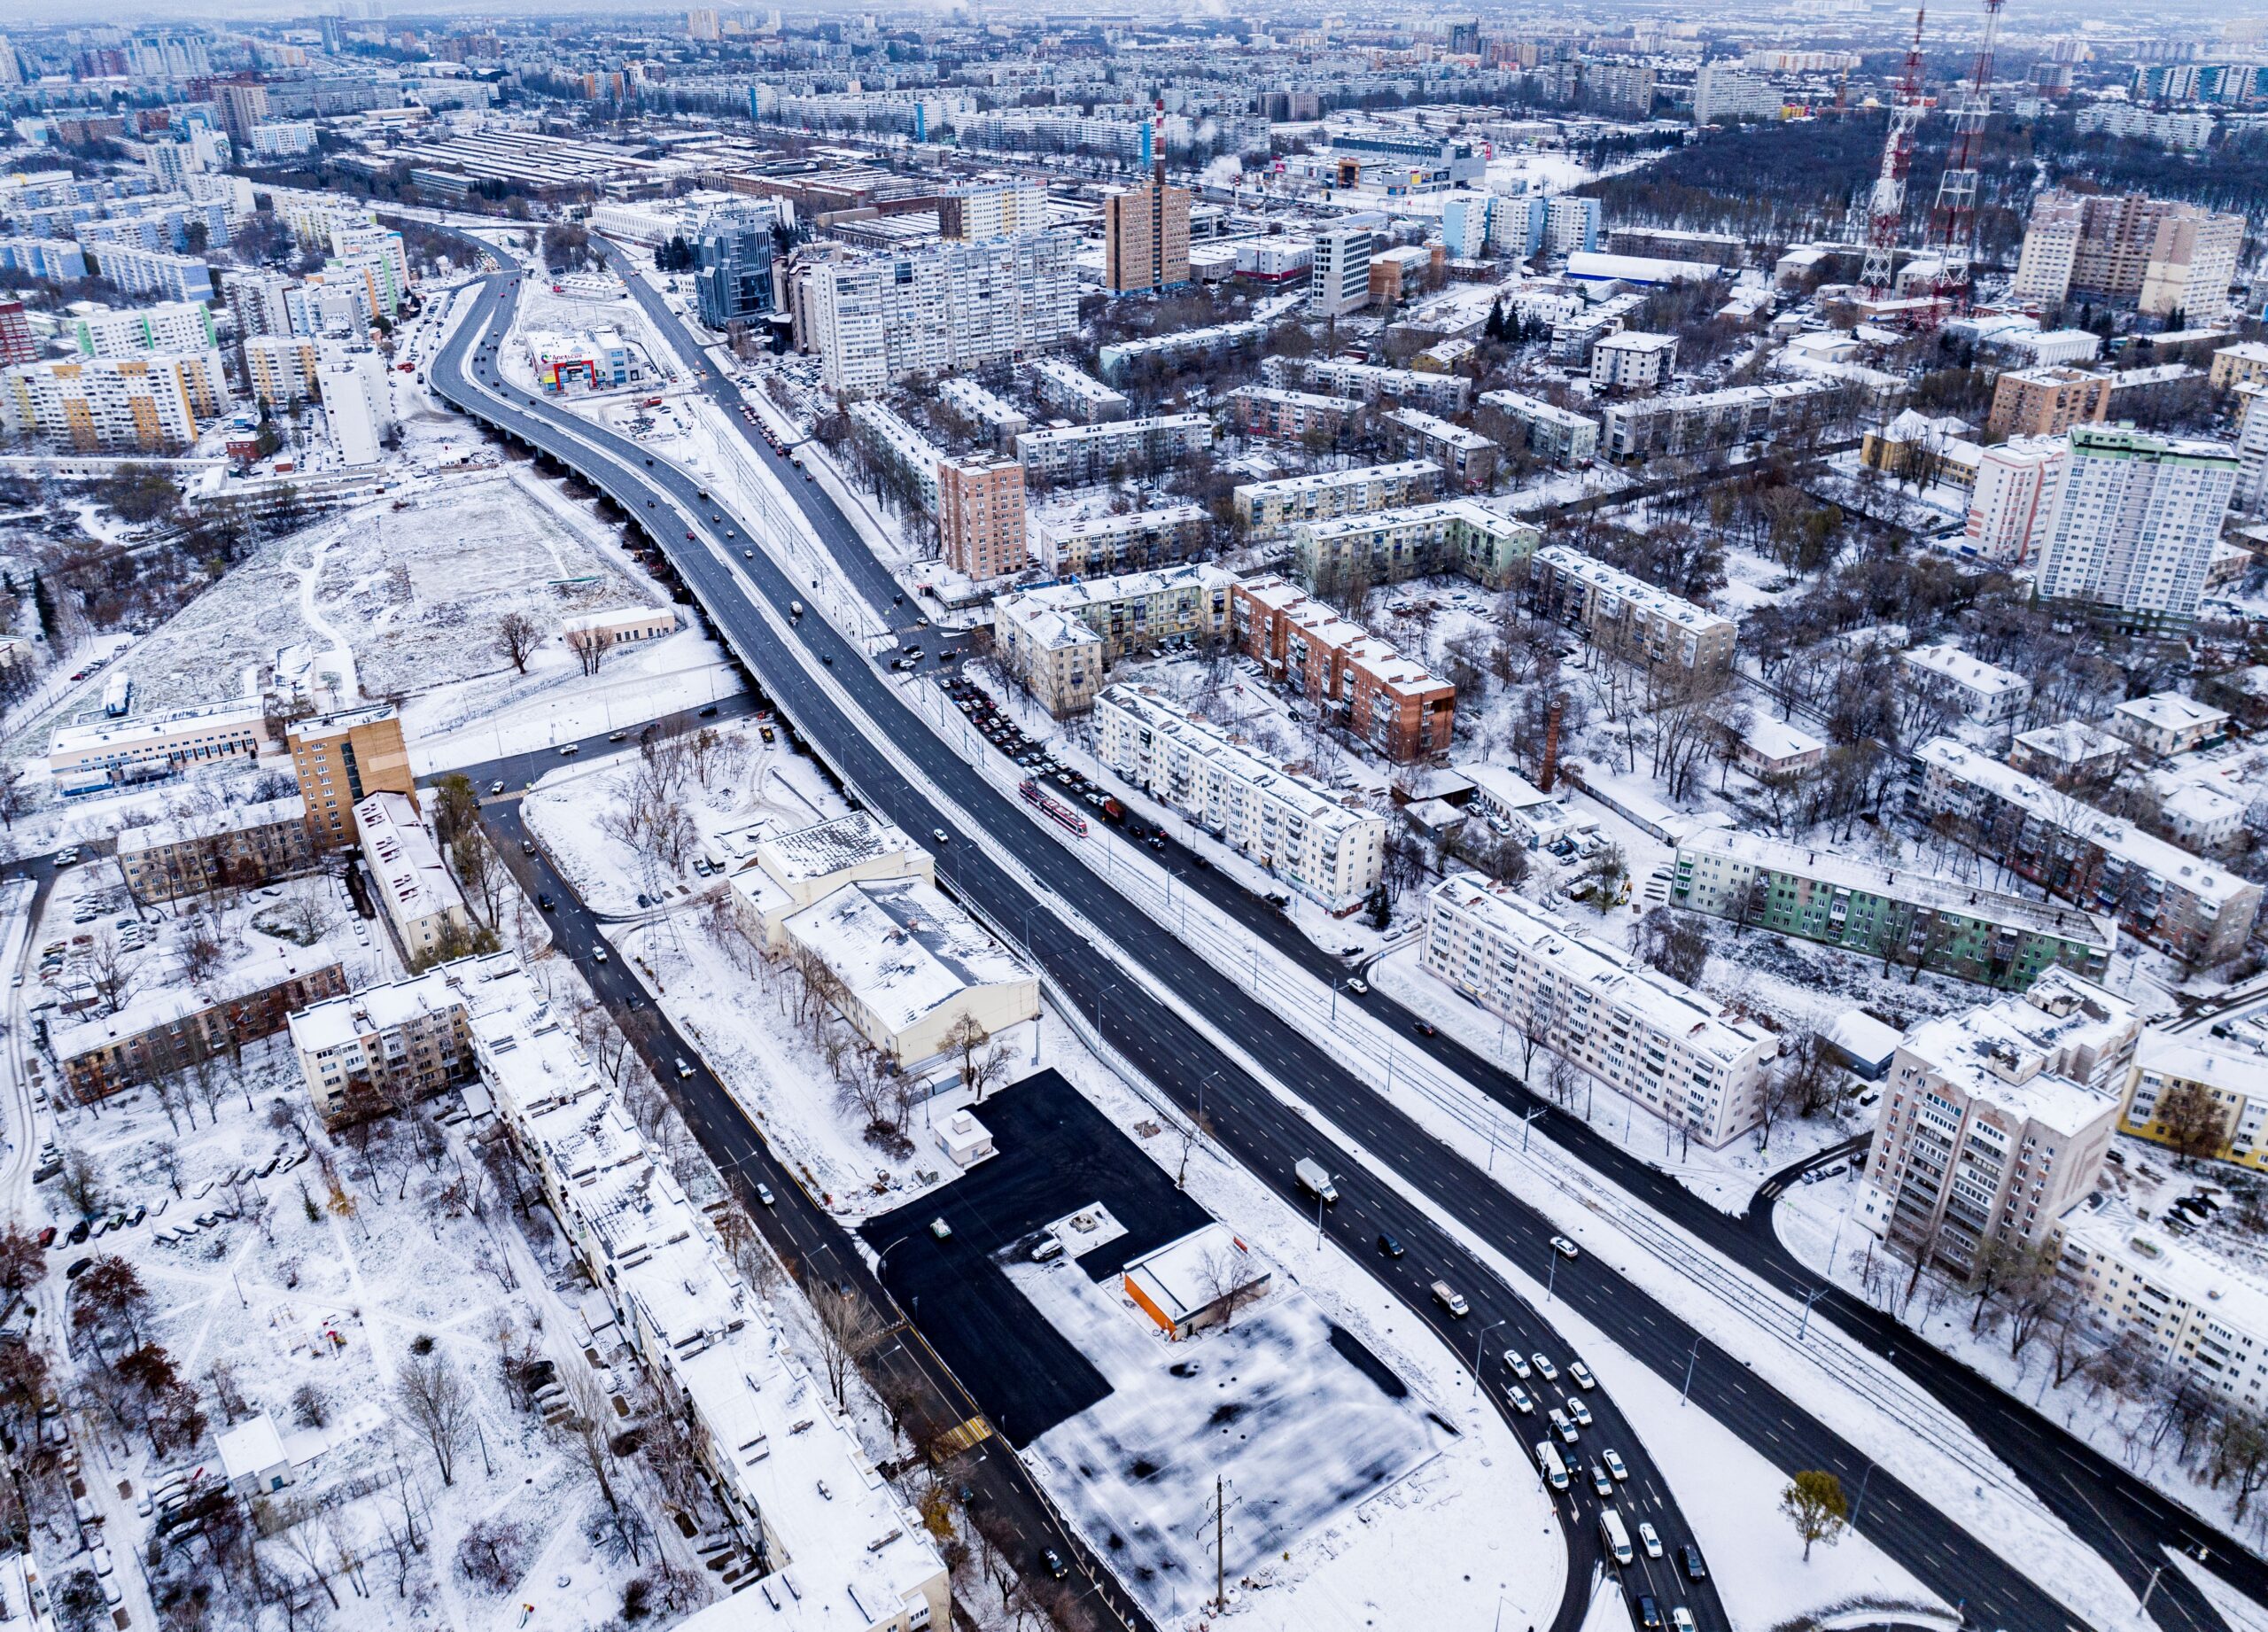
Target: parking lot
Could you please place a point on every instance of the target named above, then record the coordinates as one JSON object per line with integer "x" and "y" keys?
{"x": 1057, "y": 1154}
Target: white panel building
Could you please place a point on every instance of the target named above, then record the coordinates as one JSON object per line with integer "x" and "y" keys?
{"x": 2135, "y": 522}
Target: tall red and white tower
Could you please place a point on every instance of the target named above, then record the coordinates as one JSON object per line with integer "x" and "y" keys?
{"x": 1886, "y": 205}
{"x": 1953, "y": 224}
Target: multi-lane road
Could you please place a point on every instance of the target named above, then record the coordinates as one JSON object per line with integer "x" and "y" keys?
{"x": 836, "y": 705}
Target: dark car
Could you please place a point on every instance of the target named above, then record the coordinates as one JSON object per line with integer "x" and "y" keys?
{"x": 1425, "y": 1028}
{"x": 1052, "y": 1563}
{"x": 1689, "y": 1559}
{"x": 1390, "y": 1246}
{"x": 1646, "y": 1612}
{"x": 79, "y": 1267}
{"x": 544, "y": 901}
{"x": 78, "y": 1233}
{"x": 709, "y": 712}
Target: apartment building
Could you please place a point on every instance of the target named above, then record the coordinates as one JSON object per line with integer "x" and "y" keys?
{"x": 881, "y": 319}
{"x": 2221, "y": 1055}
{"x": 1387, "y": 701}
{"x": 1437, "y": 394}
{"x": 992, "y": 207}
{"x": 137, "y": 271}
{"x": 2249, "y": 495}
{"x": 51, "y": 261}
{"x": 1338, "y": 279}
{"x": 1067, "y": 389}
{"x": 2245, "y": 363}
{"x": 1994, "y": 1123}
{"x": 1558, "y": 435}
{"x": 16, "y": 344}
{"x": 232, "y": 848}
{"x": 1418, "y": 541}
{"x": 1664, "y": 427}
{"x": 2135, "y": 521}
{"x": 2017, "y": 482}
{"x": 1059, "y": 641}
{"x": 2069, "y": 749}
{"x": 1290, "y": 415}
{"x": 1070, "y": 455}
{"x": 900, "y": 447}
{"x": 1398, "y": 273}
{"x": 1270, "y": 509}
{"x": 1977, "y": 690}
{"x": 1146, "y": 238}
{"x": 1290, "y": 824}
{"x": 1633, "y": 361}
{"x": 412, "y": 882}
{"x": 1179, "y": 348}
{"x": 827, "y": 1539}
{"x": 280, "y": 369}
{"x": 1627, "y": 615}
{"x": 393, "y": 1044}
{"x": 343, "y": 758}
{"x": 984, "y": 409}
{"x": 167, "y": 1028}
{"x": 2201, "y": 1316}
{"x": 1467, "y": 458}
{"x": 2165, "y": 724}
{"x": 156, "y": 403}
{"x": 2158, "y": 891}
{"x": 981, "y": 517}
{"x": 1902, "y": 916}
{"x": 1680, "y": 1054}
{"x": 152, "y": 747}
{"x": 170, "y": 326}
{"x": 2165, "y": 257}
{"x": 357, "y": 402}
{"x": 2037, "y": 402}
{"x": 1131, "y": 541}
{"x": 373, "y": 261}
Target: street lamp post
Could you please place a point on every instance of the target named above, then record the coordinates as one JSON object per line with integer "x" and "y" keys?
{"x": 1810, "y": 1298}
{"x": 1691, "y": 1360}
{"x": 1479, "y": 1344}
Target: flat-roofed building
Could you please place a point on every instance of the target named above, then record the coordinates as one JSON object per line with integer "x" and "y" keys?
{"x": 341, "y": 758}
{"x": 1291, "y": 415}
{"x": 1387, "y": 701}
{"x": 1994, "y": 1123}
{"x": 776, "y": 875}
{"x": 981, "y": 517}
{"x": 2217, "y": 1058}
{"x": 900, "y": 446}
{"x": 2245, "y": 363}
{"x": 1438, "y": 393}
{"x": 623, "y": 625}
{"x": 1466, "y": 457}
{"x": 1628, "y": 615}
{"x": 412, "y": 882}
{"x": 984, "y": 408}
{"x": 1901, "y": 915}
{"x": 1070, "y": 455}
{"x": 1676, "y": 1052}
{"x": 2046, "y": 401}
{"x": 1127, "y": 541}
{"x": 1290, "y": 824}
{"x": 392, "y": 1045}
{"x": 1270, "y": 509}
{"x": 232, "y": 848}
{"x": 1559, "y": 435}
{"x": 1977, "y": 690}
{"x": 2012, "y": 497}
{"x": 1069, "y": 390}
{"x": 1060, "y": 639}
{"x": 1664, "y": 427}
{"x": 2200, "y": 913}
{"x": 1633, "y": 361}
{"x": 150, "y": 747}
{"x": 1418, "y": 541}
{"x": 158, "y": 402}
{"x": 169, "y": 1027}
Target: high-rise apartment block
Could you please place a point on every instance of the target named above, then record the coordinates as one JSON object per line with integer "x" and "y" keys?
{"x": 1145, "y": 237}
{"x": 1339, "y": 282}
{"x": 2046, "y": 401}
{"x": 992, "y": 207}
{"x": 2250, "y": 492}
{"x": 2134, "y": 523}
{"x": 1994, "y": 1123}
{"x": 280, "y": 369}
{"x": 2163, "y": 256}
{"x": 15, "y": 335}
{"x": 343, "y": 758}
{"x": 942, "y": 307}
{"x": 981, "y": 517}
{"x": 154, "y": 403}
{"x": 2017, "y": 482}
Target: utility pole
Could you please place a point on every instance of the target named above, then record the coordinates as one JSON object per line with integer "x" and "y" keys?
{"x": 1220, "y": 1522}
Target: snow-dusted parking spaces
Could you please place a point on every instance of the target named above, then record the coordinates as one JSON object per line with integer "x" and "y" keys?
{"x": 1269, "y": 1403}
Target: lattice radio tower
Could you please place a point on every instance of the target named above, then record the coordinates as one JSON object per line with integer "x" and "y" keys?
{"x": 1886, "y": 206}
{"x": 1953, "y": 224}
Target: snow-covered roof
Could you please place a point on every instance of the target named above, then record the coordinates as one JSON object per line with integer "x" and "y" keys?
{"x": 2026, "y": 1053}
{"x": 827, "y": 847}
{"x": 1638, "y": 593}
{"x": 1923, "y": 888}
{"x": 403, "y": 859}
{"x": 1505, "y": 786}
{"x": 1183, "y": 1276}
{"x": 1947, "y": 662}
{"x": 268, "y": 965}
{"x": 1323, "y": 481}
{"x": 462, "y": 983}
{"x": 2171, "y": 864}
{"x": 229, "y": 819}
{"x": 1862, "y": 1037}
{"x": 2071, "y": 742}
{"x": 903, "y": 949}
{"x": 2169, "y": 710}
{"x": 1776, "y": 739}
{"x": 1433, "y": 428}
{"x": 250, "y": 1448}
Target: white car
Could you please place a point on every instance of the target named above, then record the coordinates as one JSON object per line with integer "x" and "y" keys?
{"x": 1649, "y": 1539}
{"x": 1358, "y": 987}
{"x": 1560, "y": 1425}
{"x": 941, "y": 835}
{"x": 764, "y": 1195}
{"x": 1521, "y": 1369}
{"x": 1565, "y": 1248}
{"x": 1613, "y": 1460}
{"x": 1680, "y": 1620}
{"x": 1545, "y": 1368}
{"x": 1517, "y": 1396}
{"x": 1582, "y": 1373}
{"x": 1579, "y": 1411}
{"x": 683, "y": 1070}
{"x": 598, "y": 954}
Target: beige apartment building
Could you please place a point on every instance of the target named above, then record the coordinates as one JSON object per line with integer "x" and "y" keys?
{"x": 2046, "y": 401}
{"x": 1418, "y": 541}
{"x": 280, "y": 369}
{"x": 233, "y": 848}
{"x": 343, "y": 758}
{"x": 1130, "y": 542}
{"x": 152, "y": 404}
{"x": 1626, "y": 614}
{"x": 391, "y": 1044}
{"x": 412, "y": 882}
{"x": 1271, "y": 509}
{"x": 981, "y": 517}
{"x": 2166, "y": 257}
{"x": 168, "y": 1028}
{"x": 1061, "y": 640}
{"x": 1994, "y": 1123}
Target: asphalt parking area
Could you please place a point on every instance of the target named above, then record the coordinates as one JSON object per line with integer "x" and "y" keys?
{"x": 1057, "y": 1154}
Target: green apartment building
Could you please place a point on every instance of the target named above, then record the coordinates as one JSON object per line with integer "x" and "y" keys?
{"x": 1911, "y": 920}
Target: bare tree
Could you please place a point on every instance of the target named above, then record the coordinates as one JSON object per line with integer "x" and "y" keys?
{"x": 581, "y": 1430}
{"x": 1228, "y": 1284}
{"x": 517, "y": 638}
{"x": 847, "y": 1332}
{"x": 589, "y": 648}
{"x": 111, "y": 969}
{"x": 438, "y": 1404}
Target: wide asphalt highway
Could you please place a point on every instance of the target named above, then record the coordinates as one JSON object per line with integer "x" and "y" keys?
{"x": 1265, "y": 1135}
{"x": 2118, "y": 1514}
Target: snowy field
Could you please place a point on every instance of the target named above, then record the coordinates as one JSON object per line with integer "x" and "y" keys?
{"x": 1304, "y": 1439}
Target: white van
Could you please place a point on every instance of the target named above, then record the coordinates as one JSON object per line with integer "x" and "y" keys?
{"x": 1554, "y": 1469}
{"x": 1611, "y": 1532}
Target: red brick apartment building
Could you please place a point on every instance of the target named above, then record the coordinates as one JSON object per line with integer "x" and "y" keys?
{"x": 1394, "y": 705}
